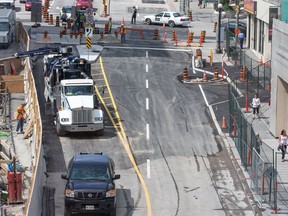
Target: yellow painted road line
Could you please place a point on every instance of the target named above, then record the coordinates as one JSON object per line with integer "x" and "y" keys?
{"x": 110, "y": 94}
{"x": 123, "y": 139}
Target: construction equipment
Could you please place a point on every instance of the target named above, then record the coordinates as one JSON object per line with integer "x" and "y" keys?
{"x": 40, "y": 51}
{"x": 70, "y": 94}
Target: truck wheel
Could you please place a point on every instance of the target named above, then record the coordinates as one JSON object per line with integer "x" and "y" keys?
{"x": 100, "y": 132}
{"x": 67, "y": 213}
{"x": 113, "y": 212}
{"x": 59, "y": 130}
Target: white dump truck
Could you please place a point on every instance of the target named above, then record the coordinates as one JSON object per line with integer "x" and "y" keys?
{"x": 7, "y": 27}
{"x": 70, "y": 90}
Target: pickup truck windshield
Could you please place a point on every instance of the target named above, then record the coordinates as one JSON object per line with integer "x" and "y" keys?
{"x": 4, "y": 26}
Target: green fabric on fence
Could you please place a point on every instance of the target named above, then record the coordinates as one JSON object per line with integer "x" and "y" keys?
{"x": 4, "y": 134}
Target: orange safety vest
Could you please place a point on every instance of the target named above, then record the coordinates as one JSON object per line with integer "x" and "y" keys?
{"x": 20, "y": 112}
{"x": 122, "y": 30}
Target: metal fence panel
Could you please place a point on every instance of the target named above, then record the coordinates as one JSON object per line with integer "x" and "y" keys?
{"x": 256, "y": 174}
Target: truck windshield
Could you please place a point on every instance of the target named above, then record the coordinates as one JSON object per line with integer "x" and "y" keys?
{"x": 4, "y": 26}
{"x": 78, "y": 90}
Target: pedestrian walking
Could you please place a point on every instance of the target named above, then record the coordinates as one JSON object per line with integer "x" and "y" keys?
{"x": 283, "y": 144}
{"x": 200, "y": 3}
{"x": 258, "y": 143}
{"x": 133, "y": 20}
{"x": 256, "y": 105}
{"x": 204, "y": 3}
{"x": 20, "y": 118}
{"x": 64, "y": 16}
{"x": 241, "y": 37}
{"x": 110, "y": 25}
{"x": 123, "y": 33}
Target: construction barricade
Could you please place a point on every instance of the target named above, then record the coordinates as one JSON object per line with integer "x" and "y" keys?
{"x": 156, "y": 34}
{"x": 203, "y": 35}
{"x": 57, "y": 24}
{"x": 216, "y": 73}
{"x": 185, "y": 74}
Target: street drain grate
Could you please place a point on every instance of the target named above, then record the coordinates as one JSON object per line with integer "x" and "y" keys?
{"x": 153, "y": 2}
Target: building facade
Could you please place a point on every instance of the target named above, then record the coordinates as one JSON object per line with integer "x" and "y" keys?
{"x": 259, "y": 26}
{"x": 279, "y": 79}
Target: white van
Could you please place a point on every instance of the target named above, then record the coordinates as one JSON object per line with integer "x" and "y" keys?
{"x": 7, "y": 27}
{"x": 9, "y": 4}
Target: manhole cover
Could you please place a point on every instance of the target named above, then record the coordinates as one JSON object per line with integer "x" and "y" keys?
{"x": 153, "y": 2}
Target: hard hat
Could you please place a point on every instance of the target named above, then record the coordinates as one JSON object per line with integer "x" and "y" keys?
{"x": 23, "y": 104}
{"x": 122, "y": 24}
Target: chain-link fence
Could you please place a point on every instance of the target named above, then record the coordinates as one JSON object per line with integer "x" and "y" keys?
{"x": 257, "y": 170}
{"x": 256, "y": 156}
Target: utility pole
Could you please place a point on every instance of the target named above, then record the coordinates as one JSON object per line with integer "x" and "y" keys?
{"x": 237, "y": 21}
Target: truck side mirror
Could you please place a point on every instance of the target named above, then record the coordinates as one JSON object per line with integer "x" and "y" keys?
{"x": 64, "y": 176}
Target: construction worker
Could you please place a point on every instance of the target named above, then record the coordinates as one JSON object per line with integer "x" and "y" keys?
{"x": 241, "y": 37}
{"x": 123, "y": 33}
{"x": 110, "y": 25}
{"x": 20, "y": 118}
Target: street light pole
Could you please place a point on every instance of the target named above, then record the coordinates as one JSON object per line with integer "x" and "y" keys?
{"x": 237, "y": 21}
{"x": 219, "y": 50}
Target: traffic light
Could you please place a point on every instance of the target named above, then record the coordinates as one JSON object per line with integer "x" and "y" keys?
{"x": 104, "y": 2}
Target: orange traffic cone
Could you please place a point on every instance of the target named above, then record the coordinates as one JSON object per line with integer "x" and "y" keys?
{"x": 261, "y": 61}
{"x": 165, "y": 37}
{"x": 204, "y": 76}
{"x": 176, "y": 41}
{"x": 123, "y": 22}
{"x": 200, "y": 41}
{"x": 163, "y": 26}
{"x": 224, "y": 123}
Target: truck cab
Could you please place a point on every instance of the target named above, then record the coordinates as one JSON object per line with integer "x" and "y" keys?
{"x": 70, "y": 90}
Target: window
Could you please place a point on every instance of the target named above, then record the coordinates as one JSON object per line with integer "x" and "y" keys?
{"x": 166, "y": 15}
{"x": 4, "y": 26}
{"x": 90, "y": 172}
{"x": 176, "y": 15}
{"x": 78, "y": 90}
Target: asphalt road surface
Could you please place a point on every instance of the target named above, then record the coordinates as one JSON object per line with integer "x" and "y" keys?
{"x": 182, "y": 159}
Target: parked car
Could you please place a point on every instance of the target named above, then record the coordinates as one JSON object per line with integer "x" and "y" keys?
{"x": 8, "y": 4}
{"x": 83, "y": 4}
{"x": 28, "y": 4}
{"x": 168, "y": 18}
{"x": 90, "y": 186}
{"x": 232, "y": 26}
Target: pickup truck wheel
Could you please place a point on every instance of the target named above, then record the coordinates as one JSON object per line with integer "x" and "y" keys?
{"x": 100, "y": 132}
{"x": 113, "y": 212}
{"x": 59, "y": 130}
{"x": 171, "y": 24}
{"x": 148, "y": 21}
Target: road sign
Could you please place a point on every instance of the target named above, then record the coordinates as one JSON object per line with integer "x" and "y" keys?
{"x": 89, "y": 11}
{"x": 90, "y": 17}
{"x": 89, "y": 32}
{"x": 90, "y": 20}
{"x": 88, "y": 43}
